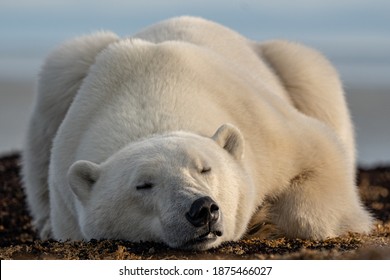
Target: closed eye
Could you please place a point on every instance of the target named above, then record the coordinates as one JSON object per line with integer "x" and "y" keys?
{"x": 144, "y": 186}
{"x": 205, "y": 170}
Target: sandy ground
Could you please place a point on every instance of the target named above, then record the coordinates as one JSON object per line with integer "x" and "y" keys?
{"x": 18, "y": 240}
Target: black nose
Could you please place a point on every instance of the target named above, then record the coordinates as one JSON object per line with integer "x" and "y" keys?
{"x": 203, "y": 211}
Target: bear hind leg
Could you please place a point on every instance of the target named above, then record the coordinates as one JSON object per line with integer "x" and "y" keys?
{"x": 60, "y": 79}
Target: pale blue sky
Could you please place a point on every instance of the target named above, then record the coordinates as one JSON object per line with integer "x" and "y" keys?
{"x": 355, "y": 34}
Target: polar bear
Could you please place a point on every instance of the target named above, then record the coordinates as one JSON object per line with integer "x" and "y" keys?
{"x": 189, "y": 134}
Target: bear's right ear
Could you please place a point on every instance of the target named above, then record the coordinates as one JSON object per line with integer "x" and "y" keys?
{"x": 81, "y": 177}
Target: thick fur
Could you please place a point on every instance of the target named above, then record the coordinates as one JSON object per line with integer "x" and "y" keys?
{"x": 186, "y": 95}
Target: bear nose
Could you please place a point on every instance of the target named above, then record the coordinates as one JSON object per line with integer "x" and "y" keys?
{"x": 203, "y": 211}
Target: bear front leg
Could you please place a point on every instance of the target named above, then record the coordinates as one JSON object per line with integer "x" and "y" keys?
{"x": 320, "y": 203}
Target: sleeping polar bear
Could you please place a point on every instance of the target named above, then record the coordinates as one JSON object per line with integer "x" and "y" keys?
{"x": 189, "y": 134}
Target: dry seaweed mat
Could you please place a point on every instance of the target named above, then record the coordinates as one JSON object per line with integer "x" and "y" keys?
{"x": 19, "y": 241}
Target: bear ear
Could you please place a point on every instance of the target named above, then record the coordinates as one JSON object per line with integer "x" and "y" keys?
{"x": 230, "y": 138}
{"x": 81, "y": 177}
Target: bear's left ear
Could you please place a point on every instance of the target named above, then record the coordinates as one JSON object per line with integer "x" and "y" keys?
{"x": 230, "y": 138}
{"x": 81, "y": 177}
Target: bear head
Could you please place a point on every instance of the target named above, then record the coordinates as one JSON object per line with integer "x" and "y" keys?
{"x": 185, "y": 190}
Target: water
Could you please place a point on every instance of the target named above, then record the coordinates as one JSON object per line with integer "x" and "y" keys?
{"x": 353, "y": 34}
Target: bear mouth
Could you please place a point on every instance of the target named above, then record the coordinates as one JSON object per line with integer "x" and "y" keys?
{"x": 203, "y": 241}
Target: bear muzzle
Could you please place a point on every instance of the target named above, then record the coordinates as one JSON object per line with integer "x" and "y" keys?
{"x": 204, "y": 212}
{"x": 204, "y": 215}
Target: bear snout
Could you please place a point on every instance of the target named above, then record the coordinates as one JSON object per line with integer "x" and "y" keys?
{"x": 205, "y": 217}
{"x": 204, "y": 212}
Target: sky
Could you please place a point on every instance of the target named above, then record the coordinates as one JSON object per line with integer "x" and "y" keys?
{"x": 353, "y": 34}
{"x": 349, "y": 32}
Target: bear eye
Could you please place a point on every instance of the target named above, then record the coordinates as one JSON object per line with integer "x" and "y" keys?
{"x": 144, "y": 186}
{"x": 205, "y": 170}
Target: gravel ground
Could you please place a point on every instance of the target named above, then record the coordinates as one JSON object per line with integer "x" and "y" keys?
{"x": 19, "y": 241}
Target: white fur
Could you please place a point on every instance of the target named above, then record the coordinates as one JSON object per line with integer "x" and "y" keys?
{"x": 270, "y": 119}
